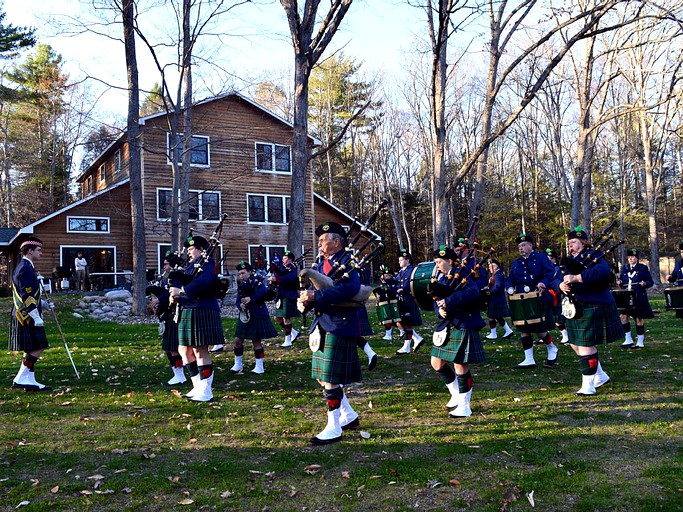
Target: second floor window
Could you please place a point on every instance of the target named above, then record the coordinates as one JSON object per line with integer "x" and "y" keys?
{"x": 273, "y": 158}
{"x": 103, "y": 175}
{"x": 200, "y": 149}
{"x": 117, "y": 161}
{"x": 202, "y": 205}
{"x": 267, "y": 209}
{"x": 87, "y": 224}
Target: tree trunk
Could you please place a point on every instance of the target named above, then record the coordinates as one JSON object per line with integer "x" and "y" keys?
{"x": 134, "y": 162}
{"x": 186, "y": 73}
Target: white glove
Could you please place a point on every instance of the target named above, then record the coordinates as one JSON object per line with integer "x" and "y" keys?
{"x": 527, "y": 289}
{"x": 36, "y": 318}
{"x": 46, "y": 304}
{"x": 511, "y": 291}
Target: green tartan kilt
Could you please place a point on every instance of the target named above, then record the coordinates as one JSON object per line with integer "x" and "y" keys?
{"x": 599, "y": 324}
{"x": 200, "y": 327}
{"x": 287, "y": 308}
{"x": 260, "y": 327}
{"x": 337, "y": 360}
{"x": 26, "y": 338}
{"x": 169, "y": 340}
{"x": 364, "y": 321}
{"x": 410, "y": 313}
{"x": 464, "y": 347}
{"x": 498, "y": 310}
{"x": 547, "y": 325}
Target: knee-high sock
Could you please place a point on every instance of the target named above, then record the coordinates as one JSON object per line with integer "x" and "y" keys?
{"x": 627, "y": 326}
{"x": 259, "y": 353}
{"x": 192, "y": 368}
{"x": 589, "y": 364}
{"x": 465, "y": 382}
{"x": 446, "y": 373}
{"x": 238, "y": 351}
{"x": 527, "y": 342}
{"x": 29, "y": 361}
{"x": 334, "y": 398}
{"x": 640, "y": 330}
{"x": 205, "y": 371}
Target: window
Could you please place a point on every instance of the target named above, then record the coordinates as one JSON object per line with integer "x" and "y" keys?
{"x": 117, "y": 162}
{"x": 87, "y": 224}
{"x": 273, "y": 158}
{"x": 200, "y": 149}
{"x": 201, "y": 205}
{"x": 87, "y": 188}
{"x": 267, "y": 209}
{"x": 260, "y": 256}
{"x": 103, "y": 175}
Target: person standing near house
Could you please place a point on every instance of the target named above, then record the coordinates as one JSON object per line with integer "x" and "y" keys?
{"x": 81, "y": 266}
{"x": 285, "y": 277}
{"x": 333, "y": 334}
{"x": 199, "y": 324}
{"x": 27, "y": 329}
{"x": 253, "y": 322}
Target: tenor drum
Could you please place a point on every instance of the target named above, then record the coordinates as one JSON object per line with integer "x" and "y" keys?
{"x": 625, "y": 299}
{"x": 387, "y": 312}
{"x": 419, "y": 281}
{"x": 526, "y": 308}
{"x": 674, "y": 297}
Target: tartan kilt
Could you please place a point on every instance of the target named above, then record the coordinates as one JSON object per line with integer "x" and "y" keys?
{"x": 169, "y": 340}
{"x": 260, "y": 327}
{"x": 547, "y": 325}
{"x": 26, "y": 338}
{"x": 364, "y": 322}
{"x": 199, "y": 327}
{"x": 337, "y": 361}
{"x": 641, "y": 309}
{"x": 287, "y": 308}
{"x": 410, "y": 313}
{"x": 599, "y": 324}
{"x": 464, "y": 347}
{"x": 499, "y": 310}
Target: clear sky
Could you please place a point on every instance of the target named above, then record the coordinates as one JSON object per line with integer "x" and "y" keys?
{"x": 375, "y": 32}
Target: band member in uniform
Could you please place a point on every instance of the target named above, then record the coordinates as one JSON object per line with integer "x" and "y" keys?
{"x": 385, "y": 292}
{"x": 254, "y": 321}
{"x": 286, "y": 278}
{"x": 533, "y": 271}
{"x": 498, "y": 308}
{"x": 366, "y": 330}
{"x": 27, "y": 329}
{"x": 599, "y": 322}
{"x": 407, "y": 307}
{"x": 167, "y": 326}
{"x": 636, "y": 277}
{"x": 456, "y": 338}
{"x": 676, "y": 277}
{"x": 560, "y": 321}
{"x": 199, "y": 318}
{"x": 333, "y": 335}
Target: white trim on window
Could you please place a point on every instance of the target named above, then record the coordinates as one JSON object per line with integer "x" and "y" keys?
{"x": 194, "y": 136}
{"x": 273, "y": 158}
{"x": 266, "y": 199}
{"x": 103, "y": 174}
{"x": 85, "y": 231}
{"x": 200, "y": 194}
{"x": 117, "y": 162}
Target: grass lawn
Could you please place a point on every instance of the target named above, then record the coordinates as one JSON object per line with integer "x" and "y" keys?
{"x": 117, "y": 439}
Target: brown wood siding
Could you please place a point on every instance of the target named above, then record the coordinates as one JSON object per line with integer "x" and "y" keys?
{"x": 115, "y": 205}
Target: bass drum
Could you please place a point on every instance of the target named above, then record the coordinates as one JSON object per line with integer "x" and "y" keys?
{"x": 419, "y": 281}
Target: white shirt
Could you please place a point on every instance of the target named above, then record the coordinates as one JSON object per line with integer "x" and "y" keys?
{"x": 80, "y": 263}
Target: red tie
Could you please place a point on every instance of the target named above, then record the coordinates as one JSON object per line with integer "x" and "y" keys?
{"x": 327, "y": 266}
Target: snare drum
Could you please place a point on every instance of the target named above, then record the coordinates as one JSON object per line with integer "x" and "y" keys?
{"x": 625, "y": 299}
{"x": 674, "y": 297}
{"x": 419, "y": 281}
{"x": 526, "y": 308}
{"x": 387, "y": 312}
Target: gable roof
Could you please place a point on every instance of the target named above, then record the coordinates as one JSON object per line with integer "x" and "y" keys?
{"x": 342, "y": 212}
{"x": 27, "y": 230}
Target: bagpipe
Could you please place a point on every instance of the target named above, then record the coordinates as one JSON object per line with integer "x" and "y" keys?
{"x": 571, "y": 305}
{"x": 464, "y": 271}
{"x": 278, "y": 270}
{"x": 246, "y": 289}
{"x": 344, "y": 267}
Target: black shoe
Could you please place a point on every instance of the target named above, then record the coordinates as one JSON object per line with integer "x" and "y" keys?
{"x": 31, "y": 387}
{"x": 353, "y": 425}
{"x": 505, "y": 336}
{"x": 550, "y": 363}
{"x": 322, "y": 442}
{"x": 373, "y": 362}
{"x": 524, "y": 366}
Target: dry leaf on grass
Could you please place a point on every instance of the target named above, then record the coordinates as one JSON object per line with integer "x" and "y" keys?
{"x": 433, "y": 484}
{"x": 365, "y": 435}
{"x": 176, "y": 393}
{"x": 95, "y": 477}
{"x": 86, "y": 492}
{"x": 454, "y": 482}
{"x": 530, "y": 497}
{"x": 22, "y": 504}
{"x": 293, "y": 493}
{"x": 175, "y": 479}
{"x": 186, "y": 501}
{"x": 226, "y": 494}
{"x": 193, "y": 441}
{"x": 345, "y": 474}
{"x": 55, "y": 489}
{"x": 375, "y": 477}
{"x": 312, "y": 469}
{"x": 35, "y": 482}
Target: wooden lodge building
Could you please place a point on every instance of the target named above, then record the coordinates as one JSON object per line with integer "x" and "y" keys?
{"x": 242, "y": 161}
